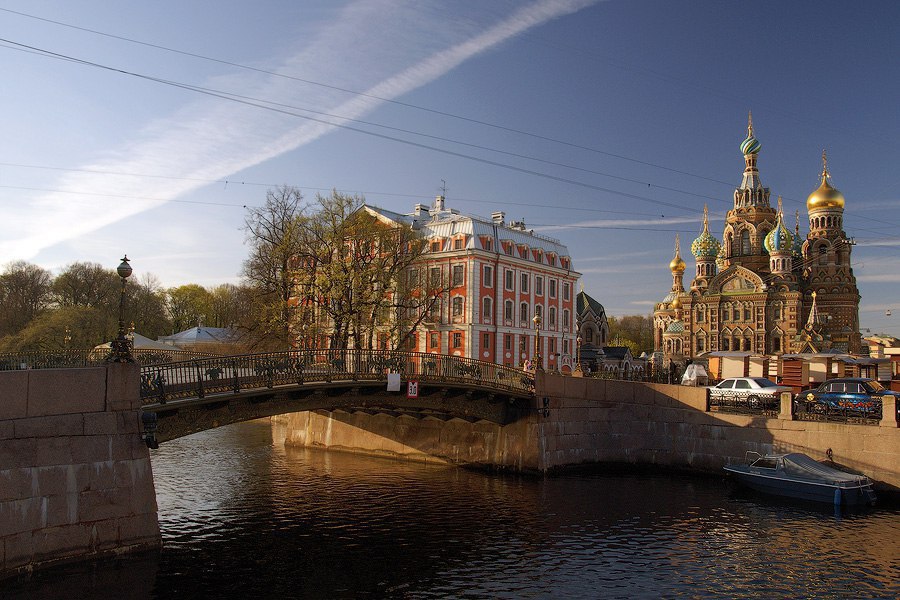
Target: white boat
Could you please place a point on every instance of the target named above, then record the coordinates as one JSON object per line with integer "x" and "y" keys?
{"x": 797, "y": 475}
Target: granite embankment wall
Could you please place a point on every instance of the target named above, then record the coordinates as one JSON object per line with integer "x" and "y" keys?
{"x": 75, "y": 476}
{"x": 596, "y": 421}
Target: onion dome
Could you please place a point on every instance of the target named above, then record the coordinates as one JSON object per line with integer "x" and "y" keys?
{"x": 779, "y": 240}
{"x": 720, "y": 258}
{"x": 676, "y": 303}
{"x": 826, "y": 196}
{"x": 677, "y": 265}
{"x": 705, "y": 246}
{"x": 676, "y": 326}
{"x": 750, "y": 145}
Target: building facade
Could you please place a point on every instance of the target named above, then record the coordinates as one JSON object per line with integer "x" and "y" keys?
{"x": 763, "y": 288}
{"x": 499, "y": 277}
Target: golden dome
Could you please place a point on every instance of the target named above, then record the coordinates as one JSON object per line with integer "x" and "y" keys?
{"x": 677, "y": 265}
{"x": 676, "y": 303}
{"x": 826, "y": 196}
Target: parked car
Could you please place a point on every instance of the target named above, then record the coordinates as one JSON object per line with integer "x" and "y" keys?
{"x": 753, "y": 392}
{"x": 857, "y": 395}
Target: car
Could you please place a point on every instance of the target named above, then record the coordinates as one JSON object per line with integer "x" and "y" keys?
{"x": 754, "y": 392}
{"x": 859, "y": 396}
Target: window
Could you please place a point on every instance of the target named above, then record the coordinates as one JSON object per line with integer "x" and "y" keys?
{"x": 413, "y": 277}
{"x": 701, "y": 344}
{"x": 726, "y": 312}
{"x": 566, "y": 290}
{"x": 565, "y": 346}
{"x": 510, "y": 282}
{"x": 458, "y": 244}
{"x": 748, "y": 312}
{"x": 434, "y": 340}
{"x": 776, "y": 311}
{"x": 523, "y": 344}
{"x": 552, "y": 343}
{"x": 457, "y": 339}
{"x": 487, "y": 309}
{"x": 524, "y": 288}
{"x": 700, "y": 310}
{"x": 538, "y": 285}
{"x": 551, "y": 317}
{"x": 487, "y": 244}
{"x": 508, "y": 310}
{"x": 523, "y": 312}
{"x": 435, "y": 245}
{"x": 435, "y": 311}
{"x": 553, "y": 288}
{"x": 725, "y": 345}
{"x": 457, "y": 275}
{"x": 507, "y": 342}
{"x": 486, "y": 341}
{"x": 745, "y": 242}
{"x": 776, "y": 344}
{"x": 566, "y": 318}
{"x": 434, "y": 276}
{"x": 539, "y": 311}
{"x": 487, "y": 278}
{"x": 457, "y": 306}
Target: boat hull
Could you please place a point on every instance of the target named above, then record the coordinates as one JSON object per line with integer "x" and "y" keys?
{"x": 777, "y": 482}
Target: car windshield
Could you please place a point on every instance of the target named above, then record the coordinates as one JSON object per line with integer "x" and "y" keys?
{"x": 763, "y": 382}
{"x": 873, "y": 386}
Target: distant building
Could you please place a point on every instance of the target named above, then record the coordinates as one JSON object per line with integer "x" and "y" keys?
{"x": 197, "y": 338}
{"x": 499, "y": 277}
{"x": 593, "y": 331}
{"x": 764, "y": 289}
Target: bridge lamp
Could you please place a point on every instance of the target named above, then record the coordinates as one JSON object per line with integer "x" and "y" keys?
{"x": 538, "y": 366}
{"x": 578, "y": 353}
{"x": 120, "y": 348}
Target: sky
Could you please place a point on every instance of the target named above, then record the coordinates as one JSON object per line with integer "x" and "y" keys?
{"x": 148, "y": 128}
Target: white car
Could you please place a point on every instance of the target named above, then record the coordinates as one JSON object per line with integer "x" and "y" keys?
{"x": 749, "y": 391}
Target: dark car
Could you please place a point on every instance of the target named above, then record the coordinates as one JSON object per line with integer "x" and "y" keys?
{"x": 848, "y": 395}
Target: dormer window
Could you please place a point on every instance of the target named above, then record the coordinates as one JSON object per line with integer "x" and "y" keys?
{"x": 523, "y": 251}
{"x": 507, "y": 247}
{"x": 551, "y": 259}
{"x": 564, "y": 262}
{"x": 435, "y": 245}
{"x": 487, "y": 243}
{"x": 538, "y": 255}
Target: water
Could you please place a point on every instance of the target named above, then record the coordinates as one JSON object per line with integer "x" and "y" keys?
{"x": 244, "y": 517}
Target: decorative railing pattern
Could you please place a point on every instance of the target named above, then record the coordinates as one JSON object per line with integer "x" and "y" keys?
{"x": 223, "y": 374}
{"x": 767, "y": 405}
{"x": 815, "y": 411}
{"x": 68, "y": 359}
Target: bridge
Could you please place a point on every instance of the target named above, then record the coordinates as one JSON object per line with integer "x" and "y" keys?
{"x": 188, "y": 396}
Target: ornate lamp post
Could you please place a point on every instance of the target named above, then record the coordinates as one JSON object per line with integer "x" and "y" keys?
{"x": 538, "y": 363}
{"x": 120, "y": 348}
{"x": 577, "y": 372}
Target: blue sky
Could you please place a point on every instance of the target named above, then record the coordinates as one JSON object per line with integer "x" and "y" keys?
{"x": 606, "y": 124}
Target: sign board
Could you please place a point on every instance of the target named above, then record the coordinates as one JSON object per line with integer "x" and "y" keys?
{"x": 412, "y": 389}
{"x": 393, "y": 383}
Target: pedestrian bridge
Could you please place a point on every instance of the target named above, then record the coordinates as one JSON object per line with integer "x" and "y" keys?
{"x": 185, "y": 397}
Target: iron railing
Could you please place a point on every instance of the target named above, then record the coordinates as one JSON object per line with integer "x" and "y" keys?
{"x": 223, "y": 374}
{"x": 68, "y": 359}
{"x": 744, "y": 403}
{"x": 816, "y": 411}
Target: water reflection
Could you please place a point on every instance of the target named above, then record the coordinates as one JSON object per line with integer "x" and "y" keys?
{"x": 242, "y": 515}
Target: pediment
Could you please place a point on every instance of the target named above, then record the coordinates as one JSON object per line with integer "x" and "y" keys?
{"x": 736, "y": 280}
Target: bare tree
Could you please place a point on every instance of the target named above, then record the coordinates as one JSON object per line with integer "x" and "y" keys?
{"x": 24, "y": 295}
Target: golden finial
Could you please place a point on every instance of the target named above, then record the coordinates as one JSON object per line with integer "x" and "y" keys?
{"x": 582, "y": 287}
{"x": 825, "y": 174}
{"x": 677, "y": 247}
{"x": 798, "y": 222}
{"x": 780, "y": 208}
{"x": 749, "y": 123}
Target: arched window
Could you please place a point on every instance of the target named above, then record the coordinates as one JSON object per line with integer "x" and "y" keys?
{"x": 748, "y": 312}
{"x": 487, "y": 309}
{"x": 566, "y": 320}
{"x": 726, "y": 313}
{"x": 457, "y": 306}
{"x": 523, "y": 312}
{"x": 508, "y": 310}
{"x": 823, "y": 254}
{"x": 745, "y": 242}
{"x": 700, "y": 310}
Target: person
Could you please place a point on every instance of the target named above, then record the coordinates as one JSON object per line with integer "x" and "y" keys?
{"x": 527, "y": 365}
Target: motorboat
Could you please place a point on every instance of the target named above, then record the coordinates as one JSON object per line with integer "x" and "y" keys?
{"x": 796, "y": 475}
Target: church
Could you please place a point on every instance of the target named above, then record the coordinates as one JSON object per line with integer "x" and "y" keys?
{"x": 763, "y": 289}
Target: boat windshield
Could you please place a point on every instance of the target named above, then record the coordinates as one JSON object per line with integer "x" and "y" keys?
{"x": 766, "y": 462}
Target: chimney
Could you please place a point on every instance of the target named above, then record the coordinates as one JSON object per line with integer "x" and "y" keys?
{"x": 498, "y": 217}
{"x": 439, "y": 203}
{"x": 418, "y": 209}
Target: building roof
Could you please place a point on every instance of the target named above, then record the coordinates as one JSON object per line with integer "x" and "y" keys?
{"x": 583, "y": 301}
{"x": 201, "y": 335}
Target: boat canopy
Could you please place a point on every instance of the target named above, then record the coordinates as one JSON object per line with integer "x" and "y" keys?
{"x": 801, "y": 465}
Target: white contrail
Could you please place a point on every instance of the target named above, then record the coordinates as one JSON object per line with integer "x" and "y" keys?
{"x": 209, "y": 140}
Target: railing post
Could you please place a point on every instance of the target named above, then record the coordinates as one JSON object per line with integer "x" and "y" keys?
{"x": 199, "y": 380}
{"x": 786, "y": 412}
{"x": 888, "y": 411}
{"x": 236, "y": 382}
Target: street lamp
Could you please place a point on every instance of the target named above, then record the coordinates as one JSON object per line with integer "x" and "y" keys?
{"x": 120, "y": 348}
{"x": 577, "y": 372}
{"x": 538, "y": 366}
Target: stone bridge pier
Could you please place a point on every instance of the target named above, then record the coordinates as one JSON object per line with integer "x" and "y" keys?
{"x": 75, "y": 476}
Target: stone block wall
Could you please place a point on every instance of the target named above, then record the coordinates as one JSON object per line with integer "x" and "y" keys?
{"x": 592, "y": 420}
{"x": 75, "y": 476}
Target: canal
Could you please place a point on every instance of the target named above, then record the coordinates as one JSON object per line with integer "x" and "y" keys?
{"x": 244, "y": 517}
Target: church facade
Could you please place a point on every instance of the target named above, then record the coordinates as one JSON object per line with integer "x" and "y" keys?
{"x": 763, "y": 288}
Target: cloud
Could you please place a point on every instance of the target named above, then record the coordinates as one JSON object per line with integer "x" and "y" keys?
{"x": 211, "y": 139}
{"x": 622, "y": 223}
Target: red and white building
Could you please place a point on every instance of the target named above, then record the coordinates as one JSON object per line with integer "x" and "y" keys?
{"x": 499, "y": 277}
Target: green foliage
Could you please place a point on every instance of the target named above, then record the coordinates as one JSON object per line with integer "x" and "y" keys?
{"x": 634, "y": 331}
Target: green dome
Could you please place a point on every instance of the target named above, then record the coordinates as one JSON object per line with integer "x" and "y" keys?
{"x": 779, "y": 240}
{"x": 750, "y": 146}
{"x": 705, "y": 246}
{"x": 675, "y": 327}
